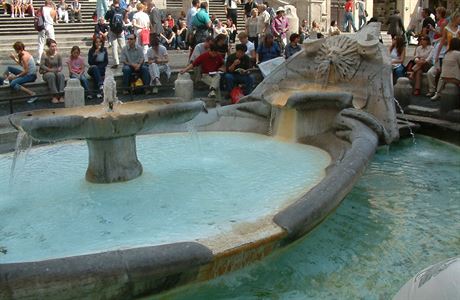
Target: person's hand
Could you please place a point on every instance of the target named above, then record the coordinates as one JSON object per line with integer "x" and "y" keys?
{"x": 136, "y": 67}
{"x": 236, "y": 62}
{"x": 12, "y": 56}
{"x": 182, "y": 71}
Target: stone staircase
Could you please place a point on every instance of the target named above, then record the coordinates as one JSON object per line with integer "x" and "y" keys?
{"x": 216, "y": 7}
{"x": 174, "y": 5}
{"x": 67, "y": 35}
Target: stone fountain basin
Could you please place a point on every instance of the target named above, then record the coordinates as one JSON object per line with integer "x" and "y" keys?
{"x": 130, "y": 273}
{"x": 94, "y": 122}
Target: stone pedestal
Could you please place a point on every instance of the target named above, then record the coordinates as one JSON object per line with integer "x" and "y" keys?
{"x": 403, "y": 91}
{"x": 449, "y": 98}
{"x": 184, "y": 87}
{"x": 113, "y": 160}
{"x": 74, "y": 93}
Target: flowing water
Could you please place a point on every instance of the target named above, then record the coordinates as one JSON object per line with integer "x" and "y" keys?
{"x": 192, "y": 187}
{"x": 402, "y": 216}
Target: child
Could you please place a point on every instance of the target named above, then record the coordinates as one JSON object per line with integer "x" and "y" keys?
{"x": 76, "y": 66}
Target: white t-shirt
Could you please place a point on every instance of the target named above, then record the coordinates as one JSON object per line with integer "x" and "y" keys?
{"x": 197, "y": 51}
{"x": 190, "y": 14}
{"x": 231, "y": 4}
{"x": 142, "y": 19}
{"x": 161, "y": 53}
{"x": 47, "y": 16}
{"x": 250, "y": 46}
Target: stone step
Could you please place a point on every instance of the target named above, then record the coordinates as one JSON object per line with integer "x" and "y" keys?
{"x": 422, "y": 111}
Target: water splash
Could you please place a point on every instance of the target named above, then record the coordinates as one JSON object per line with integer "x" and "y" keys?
{"x": 23, "y": 145}
{"x": 405, "y": 119}
{"x": 195, "y": 136}
{"x": 271, "y": 121}
{"x": 110, "y": 92}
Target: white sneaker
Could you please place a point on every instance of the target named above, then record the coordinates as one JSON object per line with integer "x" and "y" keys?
{"x": 212, "y": 94}
{"x": 435, "y": 97}
{"x": 99, "y": 96}
{"x": 157, "y": 82}
{"x": 155, "y": 90}
{"x": 6, "y": 82}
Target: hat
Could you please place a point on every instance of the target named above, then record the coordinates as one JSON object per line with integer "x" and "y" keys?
{"x": 280, "y": 9}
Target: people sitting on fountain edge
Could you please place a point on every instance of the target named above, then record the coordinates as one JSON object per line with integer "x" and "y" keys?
{"x": 157, "y": 60}
{"x": 238, "y": 65}
{"x": 267, "y": 49}
{"x": 51, "y": 68}
{"x": 76, "y": 65}
{"x": 293, "y": 45}
{"x": 18, "y": 76}
{"x": 211, "y": 63}
{"x": 132, "y": 57}
{"x": 98, "y": 59}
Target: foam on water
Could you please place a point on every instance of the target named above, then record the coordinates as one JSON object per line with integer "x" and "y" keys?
{"x": 191, "y": 188}
{"x": 401, "y": 217}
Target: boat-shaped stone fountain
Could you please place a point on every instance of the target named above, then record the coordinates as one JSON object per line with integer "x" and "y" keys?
{"x": 335, "y": 97}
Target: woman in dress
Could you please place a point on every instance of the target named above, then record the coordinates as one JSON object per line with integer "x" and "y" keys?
{"x": 51, "y": 69}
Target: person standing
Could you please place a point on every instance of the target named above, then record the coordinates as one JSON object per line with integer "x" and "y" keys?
{"x": 251, "y": 26}
{"x": 189, "y": 19}
{"x": 279, "y": 27}
{"x": 156, "y": 25}
{"x": 141, "y": 24}
{"x": 231, "y": 10}
{"x": 201, "y": 24}
{"x": 49, "y": 15}
{"x": 395, "y": 25}
{"x": 263, "y": 22}
{"x": 348, "y": 17}
{"x": 362, "y": 13}
{"x": 101, "y": 8}
{"x": 116, "y": 17}
{"x": 248, "y": 7}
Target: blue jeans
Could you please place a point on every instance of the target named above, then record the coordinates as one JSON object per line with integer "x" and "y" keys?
{"x": 128, "y": 72}
{"x": 83, "y": 80}
{"x": 349, "y": 20}
{"x": 16, "y": 83}
{"x": 231, "y": 79}
{"x": 400, "y": 71}
{"x": 97, "y": 75}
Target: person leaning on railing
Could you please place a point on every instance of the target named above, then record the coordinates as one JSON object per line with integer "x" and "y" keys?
{"x": 17, "y": 76}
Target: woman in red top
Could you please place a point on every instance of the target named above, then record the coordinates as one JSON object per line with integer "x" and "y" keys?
{"x": 440, "y": 24}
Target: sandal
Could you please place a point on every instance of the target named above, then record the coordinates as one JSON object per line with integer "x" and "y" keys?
{"x": 417, "y": 92}
{"x": 55, "y": 100}
{"x": 61, "y": 100}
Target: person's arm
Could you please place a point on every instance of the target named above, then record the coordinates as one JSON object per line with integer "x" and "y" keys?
{"x": 186, "y": 69}
{"x": 231, "y": 66}
{"x": 59, "y": 66}
{"x": 15, "y": 58}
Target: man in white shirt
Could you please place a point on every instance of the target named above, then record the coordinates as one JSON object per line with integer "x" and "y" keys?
{"x": 49, "y": 15}
{"x": 251, "y": 51}
{"x": 200, "y": 49}
{"x": 157, "y": 59}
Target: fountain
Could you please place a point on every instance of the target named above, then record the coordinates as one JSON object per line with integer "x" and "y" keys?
{"x": 326, "y": 115}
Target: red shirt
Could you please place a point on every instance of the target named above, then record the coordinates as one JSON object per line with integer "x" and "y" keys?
{"x": 349, "y": 6}
{"x": 208, "y": 63}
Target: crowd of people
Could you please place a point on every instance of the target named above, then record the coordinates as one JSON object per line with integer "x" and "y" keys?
{"x": 437, "y": 53}
{"x": 140, "y": 36}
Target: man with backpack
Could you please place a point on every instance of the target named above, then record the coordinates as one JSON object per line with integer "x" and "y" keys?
{"x": 44, "y": 24}
{"x": 116, "y": 17}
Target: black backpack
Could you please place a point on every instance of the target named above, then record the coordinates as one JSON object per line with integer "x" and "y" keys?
{"x": 117, "y": 23}
{"x": 39, "y": 21}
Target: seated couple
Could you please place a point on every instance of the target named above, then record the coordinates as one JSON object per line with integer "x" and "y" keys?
{"x": 132, "y": 57}
{"x": 212, "y": 65}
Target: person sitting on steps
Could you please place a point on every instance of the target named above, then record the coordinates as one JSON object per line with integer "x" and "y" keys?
{"x": 51, "y": 68}
{"x": 16, "y": 76}
{"x": 211, "y": 63}
{"x": 132, "y": 57}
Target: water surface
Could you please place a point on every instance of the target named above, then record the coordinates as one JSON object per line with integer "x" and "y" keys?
{"x": 402, "y": 216}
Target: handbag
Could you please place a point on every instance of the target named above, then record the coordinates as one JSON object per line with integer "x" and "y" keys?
{"x": 145, "y": 36}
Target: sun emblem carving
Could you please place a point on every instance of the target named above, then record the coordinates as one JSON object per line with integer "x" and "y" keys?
{"x": 337, "y": 59}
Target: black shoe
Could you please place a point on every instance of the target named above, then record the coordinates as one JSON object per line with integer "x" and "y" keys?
{"x": 114, "y": 66}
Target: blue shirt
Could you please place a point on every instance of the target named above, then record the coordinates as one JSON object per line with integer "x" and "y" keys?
{"x": 266, "y": 53}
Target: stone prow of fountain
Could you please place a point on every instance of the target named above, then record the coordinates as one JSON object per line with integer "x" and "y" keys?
{"x": 110, "y": 136}
{"x": 337, "y": 67}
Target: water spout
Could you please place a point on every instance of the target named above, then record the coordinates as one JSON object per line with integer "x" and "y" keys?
{"x": 110, "y": 92}
{"x": 405, "y": 119}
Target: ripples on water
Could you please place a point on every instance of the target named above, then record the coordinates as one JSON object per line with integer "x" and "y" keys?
{"x": 402, "y": 216}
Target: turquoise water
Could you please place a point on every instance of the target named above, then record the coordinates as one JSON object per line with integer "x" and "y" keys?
{"x": 402, "y": 216}
{"x": 193, "y": 186}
